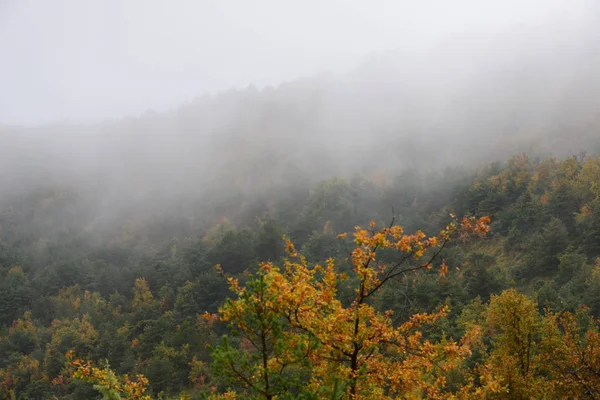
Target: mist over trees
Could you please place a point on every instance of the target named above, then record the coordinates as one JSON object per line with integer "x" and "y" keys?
{"x": 425, "y": 224}
{"x": 458, "y": 104}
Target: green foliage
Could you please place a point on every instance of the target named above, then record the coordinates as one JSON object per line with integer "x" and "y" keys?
{"x": 259, "y": 340}
{"x": 234, "y": 252}
{"x": 132, "y": 288}
{"x": 15, "y": 294}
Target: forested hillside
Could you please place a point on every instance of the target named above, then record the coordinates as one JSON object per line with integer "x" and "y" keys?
{"x": 424, "y": 226}
{"x": 144, "y": 298}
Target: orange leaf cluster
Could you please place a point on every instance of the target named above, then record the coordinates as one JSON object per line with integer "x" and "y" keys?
{"x": 350, "y": 344}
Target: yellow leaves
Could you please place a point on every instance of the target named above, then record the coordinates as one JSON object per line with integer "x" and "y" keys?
{"x": 432, "y": 241}
{"x": 571, "y": 342}
{"x": 289, "y": 248}
{"x": 142, "y": 296}
{"x": 533, "y": 355}
{"x": 361, "y": 236}
{"x": 228, "y": 395}
{"x": 443, "y": 268}
{"x": 198, "y": 372}
{"x": 58, "y": 381}
{"x": 297, "y": 307}
{"x": 119, "y": 386}
{"x": 419, "y": 253}
{"x": 135, "y": 389}
{"x": 330, "y": 277}
{"x": 595, "y": 276}
{"x": 482, "y": 225}
{"x": 219, "y": 269}
{"x": 358, "y": 256}
{"x": 404, "y": 244}
{"x": 418, "y": 320}
{"x": 395, "y": 231}
{"x": 585, "y": 212}
{"x": 479, "y": 226}
{"x": 69, "y": 355}
{"x": 234, "y": 285}
{"x": 513, "y": 321}
{"x": 379, "y": 240}
{"x": 209, "y": 318}
{"x": 491, "y": 383}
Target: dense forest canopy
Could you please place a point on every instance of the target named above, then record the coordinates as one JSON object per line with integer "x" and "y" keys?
{"x": 425, "y": 225}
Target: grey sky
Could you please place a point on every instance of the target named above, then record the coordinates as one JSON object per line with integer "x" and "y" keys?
{"x": 85, "y": 60}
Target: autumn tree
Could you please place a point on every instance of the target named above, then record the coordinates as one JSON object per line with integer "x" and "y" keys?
{"x": 538, "y": 355}
{"x": 299, "y": 339}
{"x": 108, "y": 383}
{"x": 514, "y": 362}
{"x": 571, "y": 350}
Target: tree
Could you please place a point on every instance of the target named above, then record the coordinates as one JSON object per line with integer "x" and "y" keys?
{"x": 110, "y": 385}
{"x": 479, "y": 280}
{"x": 15, "y": 294}
{"x": 269, "y": 245}
{"x": 235, "y": 251}
{"x": 299, "y": 338}
{"x": 545, "y": 247}
{"x": 77, "y": 334}
{"x": 514, "y": 363}
{"x": 571, "y": 347}
{"x": 555, "y": 355}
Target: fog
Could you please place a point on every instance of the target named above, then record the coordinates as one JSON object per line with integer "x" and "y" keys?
{"x": 206, "y": 108}
{"x": 83, "y": 61}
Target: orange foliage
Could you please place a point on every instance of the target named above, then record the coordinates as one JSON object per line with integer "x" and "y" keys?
{"x": 352, "y": 345}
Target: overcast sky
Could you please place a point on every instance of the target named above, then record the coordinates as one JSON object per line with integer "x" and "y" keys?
{"x": 85, "y": 60}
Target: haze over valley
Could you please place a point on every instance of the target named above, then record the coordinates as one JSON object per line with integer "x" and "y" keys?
{"x": 159, "y": 160}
